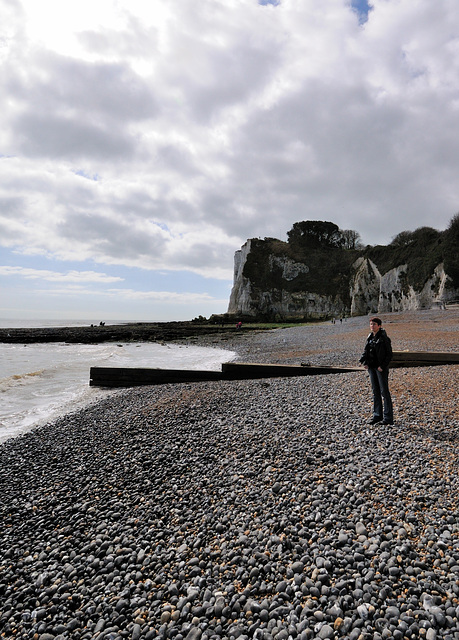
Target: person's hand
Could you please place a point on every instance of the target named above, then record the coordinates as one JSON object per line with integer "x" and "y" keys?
{"x": 379, "y": 369}
{"x": 366, "y": 366}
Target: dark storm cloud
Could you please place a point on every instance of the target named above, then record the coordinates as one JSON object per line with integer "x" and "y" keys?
{"x": 115, "y": 239}
{"x": 112, "y": 90}
{"x": 60, "y": 137}
{"x": 74, "y": 109}
{"x": 202, "y": 125}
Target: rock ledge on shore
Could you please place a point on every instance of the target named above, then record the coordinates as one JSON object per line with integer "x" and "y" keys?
{"x": 138, "y": 332}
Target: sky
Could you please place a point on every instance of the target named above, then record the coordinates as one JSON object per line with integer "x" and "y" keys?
{"x": 142, "y": 143}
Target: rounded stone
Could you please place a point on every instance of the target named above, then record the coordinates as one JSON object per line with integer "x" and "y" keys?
{"x": 326, "y": 632}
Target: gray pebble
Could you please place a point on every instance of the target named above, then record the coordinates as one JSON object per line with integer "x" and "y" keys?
{"x": 215, "y": 510}
{"x": 327, "y": 632}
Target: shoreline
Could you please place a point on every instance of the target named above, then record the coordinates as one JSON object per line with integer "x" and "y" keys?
{"x": 190, "y": 330}
{"x": 135, "y": 332}
{"x": 262, "y": 509}
{"x": 340, "y": 343}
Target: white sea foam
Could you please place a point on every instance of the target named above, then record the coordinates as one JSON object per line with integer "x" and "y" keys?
{"x": 41, "y": 381}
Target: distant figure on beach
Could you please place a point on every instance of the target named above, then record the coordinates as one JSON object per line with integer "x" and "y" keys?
{"x": 376, "y": 357}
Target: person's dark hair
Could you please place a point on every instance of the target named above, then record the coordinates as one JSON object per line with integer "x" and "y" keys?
{"x": 377, "y": 320}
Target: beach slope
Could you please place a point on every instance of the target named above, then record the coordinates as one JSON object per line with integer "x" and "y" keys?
{"x": 245, "y": 509}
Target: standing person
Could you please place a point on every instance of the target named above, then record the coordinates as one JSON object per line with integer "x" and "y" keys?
{"x": 376, "y": 357}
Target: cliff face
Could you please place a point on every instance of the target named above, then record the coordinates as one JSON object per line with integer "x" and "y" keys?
{"x": 241, "y": 293}
{"x": 271, "y": 284}
{"x": 281, "y": 298}
{"x": 372, "y": 291}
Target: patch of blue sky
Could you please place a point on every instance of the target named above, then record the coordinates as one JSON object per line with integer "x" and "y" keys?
{"x": 129, "y": 277}
{"x": 362, "y": 8}
{"x": 12, "y": 258}
{"x": 85, "y": 174}
{"x": 162, "y": 225}
{"x": 177, "y": 281}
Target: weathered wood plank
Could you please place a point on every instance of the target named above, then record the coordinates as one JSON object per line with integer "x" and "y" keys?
{"x": 423, "y": 358}
{"x": 132, "y": 377}
{"x": 243, "y": 370}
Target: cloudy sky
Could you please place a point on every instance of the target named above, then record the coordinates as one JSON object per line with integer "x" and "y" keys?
{"x": 142, "y": 143}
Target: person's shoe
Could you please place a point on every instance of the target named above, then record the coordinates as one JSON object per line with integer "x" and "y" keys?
{"x": 375, "y": 420}
{"x": 386, "y": 422}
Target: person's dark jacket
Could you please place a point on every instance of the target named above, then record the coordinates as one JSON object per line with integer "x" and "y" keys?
{"x": 377, "y": 351}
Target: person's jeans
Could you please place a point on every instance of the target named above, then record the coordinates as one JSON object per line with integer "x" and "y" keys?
{"x": 380, "y": 386}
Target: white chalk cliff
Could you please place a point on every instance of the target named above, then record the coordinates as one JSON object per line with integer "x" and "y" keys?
{"x": 369, "y": 291}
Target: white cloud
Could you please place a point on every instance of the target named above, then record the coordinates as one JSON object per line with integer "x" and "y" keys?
{"x": 170, "y": 297}
{"x": 161, "y": 136}
{"x": 54, "y": 276}
{"x": 131, "y": 295}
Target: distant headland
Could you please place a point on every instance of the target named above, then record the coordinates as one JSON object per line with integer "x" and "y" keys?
{"x": 323, "y": 272}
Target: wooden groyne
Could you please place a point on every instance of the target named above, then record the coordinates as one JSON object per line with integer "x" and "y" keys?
{"x": 422, "y": 359}
{"x": 131, "y": 377}
{"x": 247, "y": 370}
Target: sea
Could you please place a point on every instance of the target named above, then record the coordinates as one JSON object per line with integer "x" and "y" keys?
{"x": 40, "y": 382}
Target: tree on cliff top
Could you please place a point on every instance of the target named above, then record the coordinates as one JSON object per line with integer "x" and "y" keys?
{"x": 316, "y": 232}
{"x": 423, "y": 236}
{"x": 453, "y": 228}
{"x": 451, "y": 253}
{"x": 351, "y": 239}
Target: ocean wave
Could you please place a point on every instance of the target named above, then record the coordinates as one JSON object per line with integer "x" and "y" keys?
{"x": 19, "y": 379}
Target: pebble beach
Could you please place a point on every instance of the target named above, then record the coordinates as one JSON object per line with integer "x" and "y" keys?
{"x": 244, "y": 509}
